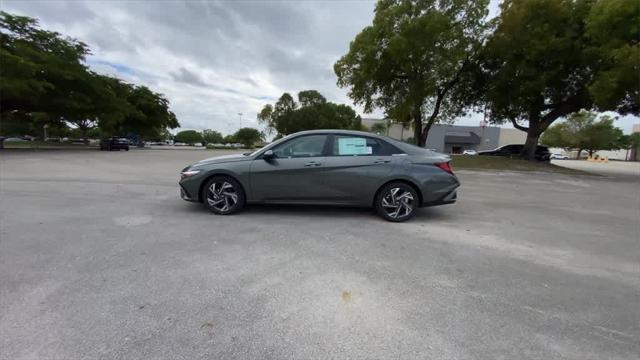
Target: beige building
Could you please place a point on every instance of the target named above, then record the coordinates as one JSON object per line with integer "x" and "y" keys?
{"x": 453, "y": 138}
{"x": 511, "y": 136}
{"x": 393, "y": 130}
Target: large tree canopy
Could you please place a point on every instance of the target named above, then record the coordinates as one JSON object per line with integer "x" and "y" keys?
{"x": 40, "y": 70}
{"x": 613, "y": 27}
{"x": 546, "y": 59}
{"x": 44, "y": 80}
{"x": 188, "y": 137}
{"x": 312, "y": 111}
{"x": 413, "y": 60}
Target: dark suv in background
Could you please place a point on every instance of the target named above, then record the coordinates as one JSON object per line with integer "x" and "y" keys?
{"x": 513, "y": 150}
{"x": 114, "y": 143}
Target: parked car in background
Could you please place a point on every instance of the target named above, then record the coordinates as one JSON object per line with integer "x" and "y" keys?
{"x": 558, "y": 157}
{"x": 114, "y": 143}
{"x": 15, "y": 139}
{"x": 469, "y": 152}
{"x": 325, "y": 167}
{"x": 514, "y": 150}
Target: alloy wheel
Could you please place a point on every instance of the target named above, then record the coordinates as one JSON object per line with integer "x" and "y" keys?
{"x": 398, "y": 203}
{"x": 222, "y": 196}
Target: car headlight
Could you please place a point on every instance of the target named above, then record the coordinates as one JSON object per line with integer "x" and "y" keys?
{"x": 189, "y": 173}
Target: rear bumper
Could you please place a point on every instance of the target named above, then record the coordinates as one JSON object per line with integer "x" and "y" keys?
{"x": 449, "y": 198}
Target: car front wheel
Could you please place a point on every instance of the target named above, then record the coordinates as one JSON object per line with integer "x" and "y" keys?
{"x": 223, "y": 195}
{"x": 397, "y": 202}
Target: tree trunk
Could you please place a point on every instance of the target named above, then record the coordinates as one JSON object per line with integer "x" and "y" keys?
{"x": 425, "y": 132}
{"x": 531, "y": 144}
{"x": 83, "y": 134}
{"x": 578, "y": 156}
{"x": 417, "y": 127}
{"x": 432, "y": 118}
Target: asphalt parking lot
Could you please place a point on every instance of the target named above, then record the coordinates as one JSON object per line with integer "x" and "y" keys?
{"x": 99, "y": 258}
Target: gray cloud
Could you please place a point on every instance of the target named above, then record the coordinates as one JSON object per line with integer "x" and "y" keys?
{"x": 185, "y": 76}
{"x": 212, "y": 59}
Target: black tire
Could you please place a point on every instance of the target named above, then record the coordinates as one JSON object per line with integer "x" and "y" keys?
{"x": 229, "y": 197}
{"x": 397, "y": 202}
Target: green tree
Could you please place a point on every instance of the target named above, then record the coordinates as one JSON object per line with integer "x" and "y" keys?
{"x": 211, "y": 136}
{"x": 312, "y": 111}
{"x": 40, "y": 72}
{"x": 541, "y": 64}
{"x": 580, "y": 131}
{"x": 311, "y": 98}
{"x": 162, "y": 136}
{"x": 188, "y": 136}
{"x": 85, "y": 102}
{"x": 557, "y": 135}
{"x": 601, "y": 135}
{"x": 44, "y": 81}
{"x": 228, "y": 139}
{"x": 248, "y": 136}
{"x": 614, "y": 30}
{"x": 414, "y": 59}
{"x": 134, "y": 110}
{"x": 149, "y": 114}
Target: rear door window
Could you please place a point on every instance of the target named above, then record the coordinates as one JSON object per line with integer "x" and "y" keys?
{"x": 349, "y": 145}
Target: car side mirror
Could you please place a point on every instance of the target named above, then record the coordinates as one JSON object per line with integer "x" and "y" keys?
{"x": 268, "y": 155}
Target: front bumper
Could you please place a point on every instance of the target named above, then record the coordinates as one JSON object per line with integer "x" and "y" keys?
{"x": 185, "y": 195}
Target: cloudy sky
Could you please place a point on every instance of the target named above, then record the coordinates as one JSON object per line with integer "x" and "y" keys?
{"x": 215, "y": 59}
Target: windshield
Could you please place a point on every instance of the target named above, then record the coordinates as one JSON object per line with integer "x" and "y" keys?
{"x": 257, "y": 151}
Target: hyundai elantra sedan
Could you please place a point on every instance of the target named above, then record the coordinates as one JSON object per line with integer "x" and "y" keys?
{"x": 325, "y": 167}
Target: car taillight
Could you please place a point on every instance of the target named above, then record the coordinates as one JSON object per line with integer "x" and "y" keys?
{"x": 445, "y": 166}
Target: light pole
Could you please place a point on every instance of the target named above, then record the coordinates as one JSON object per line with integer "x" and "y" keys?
{"x": 240, "y": 115}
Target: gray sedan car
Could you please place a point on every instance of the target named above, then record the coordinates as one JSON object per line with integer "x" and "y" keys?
{"x": 325, "y": 167}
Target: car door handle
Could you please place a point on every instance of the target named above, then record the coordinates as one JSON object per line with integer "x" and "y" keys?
{"x": 381, "y": 161}
{"x": 312, "y": 163}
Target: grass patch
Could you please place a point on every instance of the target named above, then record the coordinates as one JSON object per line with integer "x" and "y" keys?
{"x": 461, "y": 162}
{"x": 45, "y": 145}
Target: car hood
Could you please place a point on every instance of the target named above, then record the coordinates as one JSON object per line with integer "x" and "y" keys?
{"x": 223, "y": 159}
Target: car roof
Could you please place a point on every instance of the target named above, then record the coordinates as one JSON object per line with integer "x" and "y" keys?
{"x": 336, "y": 131}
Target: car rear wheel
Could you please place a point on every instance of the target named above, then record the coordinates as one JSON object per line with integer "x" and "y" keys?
{"x": 396, "y": 202}
{"x": 223, "y": 195}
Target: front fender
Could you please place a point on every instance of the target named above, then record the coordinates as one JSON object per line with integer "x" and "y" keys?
{"x": 239, "y": 171}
